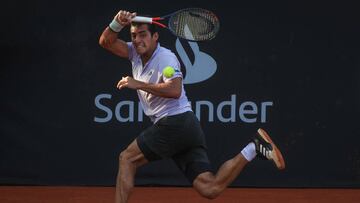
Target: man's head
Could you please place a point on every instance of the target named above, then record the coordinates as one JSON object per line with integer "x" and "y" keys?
{"x": 144, "y": 37}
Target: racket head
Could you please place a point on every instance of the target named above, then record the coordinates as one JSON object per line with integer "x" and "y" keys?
{"x": 194, "y": 24}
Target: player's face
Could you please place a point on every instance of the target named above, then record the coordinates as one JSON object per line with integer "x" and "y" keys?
{"x": 142, "y": 39}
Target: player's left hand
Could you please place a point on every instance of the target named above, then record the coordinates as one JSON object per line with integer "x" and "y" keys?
{"x": 128, "y": 82}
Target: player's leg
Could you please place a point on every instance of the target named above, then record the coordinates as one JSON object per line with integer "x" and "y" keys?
{"x": 148, "y": 146}
{"x": 129, "y": 160}
{"x": 195, "y": 164}
{"x": 210, "y": 185}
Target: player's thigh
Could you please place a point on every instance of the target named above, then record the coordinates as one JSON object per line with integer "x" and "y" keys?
{"x": 193, "y": 162}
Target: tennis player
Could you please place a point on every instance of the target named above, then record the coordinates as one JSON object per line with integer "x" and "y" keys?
{"x": 176, "y": 132}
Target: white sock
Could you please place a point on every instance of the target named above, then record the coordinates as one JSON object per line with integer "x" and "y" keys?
{"x": 249, "y": 151}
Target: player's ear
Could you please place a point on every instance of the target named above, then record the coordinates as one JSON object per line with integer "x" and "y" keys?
{"x": 156, "y": 36}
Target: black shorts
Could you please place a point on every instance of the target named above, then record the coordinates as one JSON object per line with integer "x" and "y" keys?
{"x": 180, "y": 138}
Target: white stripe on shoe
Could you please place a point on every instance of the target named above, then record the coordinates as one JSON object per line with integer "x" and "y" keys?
{"x": 276, "y": 155}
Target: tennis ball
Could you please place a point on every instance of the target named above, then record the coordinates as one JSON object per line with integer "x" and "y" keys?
{"x": 168, "y": 71}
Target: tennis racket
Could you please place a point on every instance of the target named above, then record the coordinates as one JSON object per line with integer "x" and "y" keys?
{"x": 193, "y": 24}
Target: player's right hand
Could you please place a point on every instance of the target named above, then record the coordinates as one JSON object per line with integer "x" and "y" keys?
{"x": 124, "y": 17}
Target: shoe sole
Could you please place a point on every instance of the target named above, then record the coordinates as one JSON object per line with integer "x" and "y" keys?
{"x": 277, "y": 156}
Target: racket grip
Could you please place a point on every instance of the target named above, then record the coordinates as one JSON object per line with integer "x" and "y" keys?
{"x": 141, "y": 19}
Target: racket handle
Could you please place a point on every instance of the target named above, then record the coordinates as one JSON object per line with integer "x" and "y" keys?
{"x": 141, "y": 19}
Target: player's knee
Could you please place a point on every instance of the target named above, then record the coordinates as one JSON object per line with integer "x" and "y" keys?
{"x": 210, "y": 192}
{"x": 207, "y": 186}
{"x": 124, "y": 157}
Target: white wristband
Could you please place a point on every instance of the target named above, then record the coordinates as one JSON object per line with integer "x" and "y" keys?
{"x": 115, "y": 26}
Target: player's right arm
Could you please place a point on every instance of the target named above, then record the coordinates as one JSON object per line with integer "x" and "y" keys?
{"x": 109, "y": 38}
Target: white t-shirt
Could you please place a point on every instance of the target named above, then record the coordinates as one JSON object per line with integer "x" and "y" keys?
{"x": 152, "y": 72}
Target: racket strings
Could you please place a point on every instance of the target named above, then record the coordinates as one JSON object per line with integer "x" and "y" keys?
{"x": 195, "y": 24}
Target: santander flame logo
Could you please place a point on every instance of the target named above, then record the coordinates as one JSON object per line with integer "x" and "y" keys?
{"x": 204, "y": 65}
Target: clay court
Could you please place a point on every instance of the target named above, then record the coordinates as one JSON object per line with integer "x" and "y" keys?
{"x": 43, "y": 194}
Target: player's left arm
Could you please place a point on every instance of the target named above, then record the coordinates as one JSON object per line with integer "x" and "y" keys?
{"x": 169, "y": 89}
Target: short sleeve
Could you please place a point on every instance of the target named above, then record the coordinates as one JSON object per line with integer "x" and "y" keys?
{"x": 172, "y": 61}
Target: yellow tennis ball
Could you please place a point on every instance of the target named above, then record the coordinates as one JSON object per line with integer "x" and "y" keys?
{"x": 168, "y": 71}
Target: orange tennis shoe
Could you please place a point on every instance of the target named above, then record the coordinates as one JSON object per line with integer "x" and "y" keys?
{"x": 266, "y": 149}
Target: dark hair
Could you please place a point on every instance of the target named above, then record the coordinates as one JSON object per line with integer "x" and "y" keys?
{"x": 151, "y": 27}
